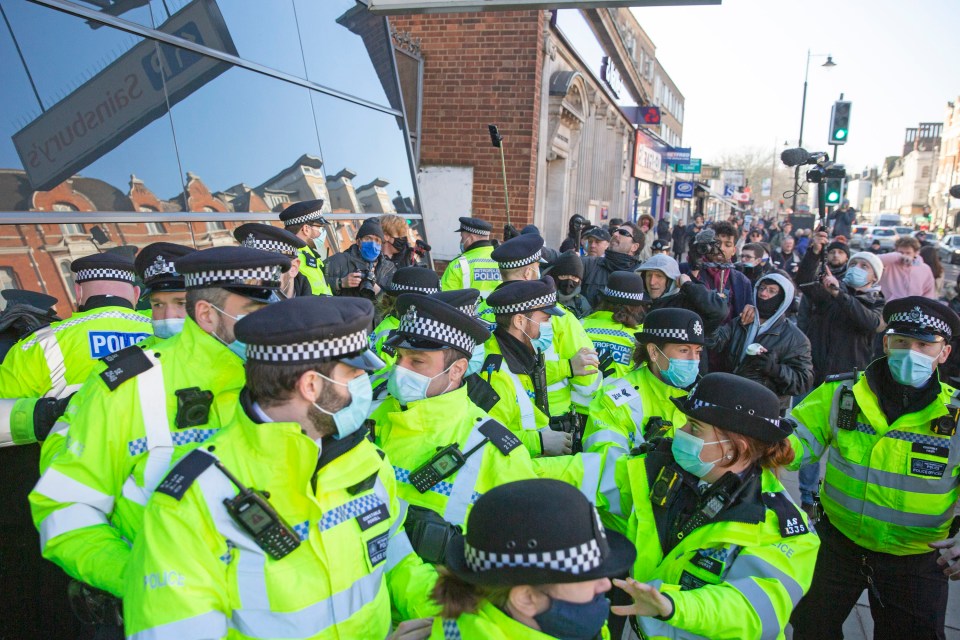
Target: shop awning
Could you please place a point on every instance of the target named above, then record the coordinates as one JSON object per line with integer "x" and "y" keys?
{"x": 719, "y": 196}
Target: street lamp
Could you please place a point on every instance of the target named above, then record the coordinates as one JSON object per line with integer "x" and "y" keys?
{"x": 803, "y": 110}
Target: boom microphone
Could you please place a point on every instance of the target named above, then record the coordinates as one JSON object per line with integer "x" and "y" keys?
{"x": 800, "y": 156}
{"x": 955, "y": 191}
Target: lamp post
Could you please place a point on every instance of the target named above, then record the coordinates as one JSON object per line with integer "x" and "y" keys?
{"x": 803, "y": 110}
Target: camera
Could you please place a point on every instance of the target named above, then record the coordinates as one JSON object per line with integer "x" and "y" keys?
{"x": 368, "y": 281}
{"x": 193, "y": 407}
{"x": 703, "y": 245}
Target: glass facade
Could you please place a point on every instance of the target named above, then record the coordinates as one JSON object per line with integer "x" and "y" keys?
{"x": 217, "y": 108}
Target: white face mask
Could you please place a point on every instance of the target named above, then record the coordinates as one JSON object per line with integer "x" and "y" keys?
{"x": 409, "y": 386}
{"x": 167, "y": 327}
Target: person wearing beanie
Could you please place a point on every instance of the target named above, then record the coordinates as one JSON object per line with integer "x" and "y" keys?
{"x": 567, "y": 273}
{"x": 838, "y": 253}
{"x": 722, "y": 550}
{"x": 782, "y": 361}
{"x": 612, "y": 325}
{"x": 362, "y": 270}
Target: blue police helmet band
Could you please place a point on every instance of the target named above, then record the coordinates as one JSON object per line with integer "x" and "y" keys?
{"x": 160, "y": 266}
{"x": 304, "y": 219}
{"x": 86, "y": 275}
{"x": 265, "y": 277}
{"x": 521, "y": 262}
{"x": 414, "y": 325}
{"x": 581, "y": 558}
{"x": 310, "y": 351}
{"x": 273, "y": 246}
{"x": 623, "y": 295}
{"x": 542, "y": 302}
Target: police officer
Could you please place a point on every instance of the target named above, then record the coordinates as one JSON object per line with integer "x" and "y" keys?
{"x": 163, "y": 287}
{"x": 572, "y": 375}
{"x": 405, "y": 280}
{"x": 265, "y": 237}
{"x": 142, "y": 411}
{"x": 305, "y": 219}
{"x": 52, "y": 363}
{"x": 722, "y": 550}
{"x": 893, "y": 457}
{"x": 445, "y": 449}
{"x": 612, "y": 325}
{"x": 513, "y": 576}
{"x": 473, "y": 268}
{"x": 287, "y": 523}
{"x": 515, "y": 366}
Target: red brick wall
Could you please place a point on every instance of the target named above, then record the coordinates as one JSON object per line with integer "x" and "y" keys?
{"x": 480, "y": 69}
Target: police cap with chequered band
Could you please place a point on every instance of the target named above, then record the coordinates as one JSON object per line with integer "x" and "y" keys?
{"x": 428, "y": 324}
{"x": 624, "y": 287}
{"x": 519, "y": 252}
{"x": 734, "y": 403}
{"x": 565, "y": 541}
{"x": 255, "y": 235}
{"x": 310, "y": 330}
{"x": 476, "y": 226}
{"x": 678, "y": 326}
{"x": 251, "y": 273}
{"x": 413, "y": 280}
{"x": 154, "y": 265}
{"x": 466, "y": 300}
{"x": 921, "y": 318}
{"x": 524, "y": 296}
{"x": 109, "y": 265}
{"x": 302, "y": 213}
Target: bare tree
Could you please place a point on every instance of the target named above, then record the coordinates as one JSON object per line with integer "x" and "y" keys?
{"x": 757, "y": 164}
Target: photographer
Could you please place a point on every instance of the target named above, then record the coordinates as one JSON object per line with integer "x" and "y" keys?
{"x": 574, "y": 240}
{"x": 710, "y": 263}
{"x": 362, "y": 269}
{"x": 626, "y": 243}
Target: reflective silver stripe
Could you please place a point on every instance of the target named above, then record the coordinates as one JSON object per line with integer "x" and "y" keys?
{"x": 608, "y": 480}
{"x": 558, "y": 386}
{"x": 742, "y": 576}
{"x": 582, "y": 394}
{"x": 317, "y": 617}
{"x": 153, "y": 410}
{"x": 606, "y": 435}
{"x": 134, "y": 492}
{"x": 56, "y": 364}
{"x": 886, "y": 514}
{"x": 6, "y": 408}
{"x": 398, "y": 548}
{"x": 528, "y": 418}
{"x": 212, "y": 624}
{"x": 590, "y": 483}
{"x": 60, "y": 428}
{"x": 61, "y": 521}
{"x": 64, "y": 489}
{"x": 762, "y": 605}
{"x": 466, "y": 273}
{"x": 890, "y": 480}
{"x": 551, "y": 353}
{"x": 813, "y": 449}
{"x": 455, "y": 512}
{"x": 749, "y": 565}
{"x": 75, "y": 321}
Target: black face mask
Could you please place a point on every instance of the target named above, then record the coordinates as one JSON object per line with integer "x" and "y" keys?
{"x": 767, "y": 308}
{"x": 399, "y": 243}
{"x": 567, "y": 287}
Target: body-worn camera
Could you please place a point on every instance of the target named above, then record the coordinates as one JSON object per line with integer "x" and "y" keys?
{"x": 368, "y": 281}
{"x": 193, "y": 407}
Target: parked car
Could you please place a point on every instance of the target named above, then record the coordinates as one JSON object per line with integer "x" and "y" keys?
{"x": 856, "y": 236}
{"x": 904, "y": 231}
{"x": 949, "y": 249}
{"x": 888, "y": 220}
{"x": 886, "y": 235}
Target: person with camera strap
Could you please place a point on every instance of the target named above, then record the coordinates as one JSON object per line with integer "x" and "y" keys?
{"x": 722, "y": 550}
{"x": 362, "y": 270}
{"x": 141, "y": 410}
{"x": 287, "y": 522}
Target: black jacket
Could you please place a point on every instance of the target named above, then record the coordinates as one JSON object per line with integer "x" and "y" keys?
{"x": 346, "y": 262}
{"x": 695, "y": 297}
{"x": 841, "y": 330}
{"x": 596, "y": 271}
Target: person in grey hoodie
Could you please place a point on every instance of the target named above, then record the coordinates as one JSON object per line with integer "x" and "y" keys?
{"x": 668, "y": 288}
{"x": 764, "y": 345}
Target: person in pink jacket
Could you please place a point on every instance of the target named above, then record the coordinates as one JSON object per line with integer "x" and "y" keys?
{"x": 905, "y": 273}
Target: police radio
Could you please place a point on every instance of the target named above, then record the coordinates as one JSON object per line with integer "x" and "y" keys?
{"x": 251, "y": 510}
{"x": 446, "y": 462}
{"x": 847, "y": 410}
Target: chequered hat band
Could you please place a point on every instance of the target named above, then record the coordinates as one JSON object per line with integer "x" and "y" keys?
{"x": 436, "y": 331}
{"x": 313, "y": 351}
{"x": 522, "y": 262}
{"x": 406, "y": 287}
{"x": 304, "y": 219}
{"x": 703, "y": 404}
{"x": 273, "y": 246}
{"x": 581, "y": 558}
{"x": 160, "y": 267}
{"x": 256, "y": 276}
{"x": 474, "y": 230}
{"x": 469, "y": 309}
{"x": 669, "y": 334}
{"x": 916, "y": 316}
{"x": 623, "y": 295}
{"x": 541, "y": 302}
{"x": 85, "y": 275}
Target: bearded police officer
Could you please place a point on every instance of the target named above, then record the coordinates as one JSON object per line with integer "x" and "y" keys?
{"x": 305, "y": 219}
{"x": 163, "y": 287}
{"x": 473, "y": 268}
{"x": 145, "y": 409}
{"x": 893, "y": 459}
{"x": 268, "y": 238}
{"x": 287, "y": 523}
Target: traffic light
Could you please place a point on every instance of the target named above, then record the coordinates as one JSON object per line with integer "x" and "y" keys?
{"x": 833, "y": 190}
{"x": 840, "y": 122}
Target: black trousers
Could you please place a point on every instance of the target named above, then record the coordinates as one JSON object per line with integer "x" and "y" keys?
{"x": 908, "y": 598}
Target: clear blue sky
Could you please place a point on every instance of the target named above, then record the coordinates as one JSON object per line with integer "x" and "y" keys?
{"x": 740, "y": 68}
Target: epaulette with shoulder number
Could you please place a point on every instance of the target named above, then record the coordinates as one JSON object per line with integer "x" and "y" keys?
{"x": 185, "y": 472}
{"x": 481, "y": 393}
{"x": 788, "y": 514}
{"x": 840, "y": 377}
{"x": 123, "y": 365}
{"x": 502, "y": 438}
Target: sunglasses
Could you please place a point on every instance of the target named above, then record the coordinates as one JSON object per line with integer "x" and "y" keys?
{"x": 624, "y": 232}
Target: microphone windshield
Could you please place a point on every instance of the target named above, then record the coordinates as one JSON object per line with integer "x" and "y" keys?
{"x": 955, "y": 191}
{"x": 794, "y": 157}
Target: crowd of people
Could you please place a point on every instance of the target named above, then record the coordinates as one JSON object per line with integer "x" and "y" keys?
{"x": 577, "y": 442}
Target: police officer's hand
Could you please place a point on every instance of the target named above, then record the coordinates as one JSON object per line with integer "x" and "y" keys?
{"x": 949, "y": 556}
{"x": 585, "y": 363}
{"x": 412, "y": 629}
{"x": 350, "y": 281}
{"x": 647, "y": 601}
{"x": 556, "y": 443}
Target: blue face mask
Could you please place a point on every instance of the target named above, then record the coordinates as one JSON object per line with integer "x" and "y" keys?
{"x": 574, "y": 621}
{"x": 680, "y": 373}
{"x": 462, "y": 249}
{"x": 542, "y": 343}
{"x": 856, "y": 277}
{"x": 911, "y": 368}
{"x": 351, "y": 417}
{"x": 238, "y": 348}
{"x": 167, "y": 327}
{"x": 476, "y": 360}
{"x": 369, "y": 250}
{"x": 686, "y": 450}
{"x": 409, "y": 386}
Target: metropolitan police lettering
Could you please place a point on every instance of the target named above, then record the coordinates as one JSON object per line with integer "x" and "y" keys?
{"x": 620, "y": 354}
{"x": 486, "y": 275}
{"x": 103, "y": 343}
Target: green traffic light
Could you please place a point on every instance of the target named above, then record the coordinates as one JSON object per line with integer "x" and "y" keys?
{"x": 840, "y": 134}
{"x": 833, "y": 196}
